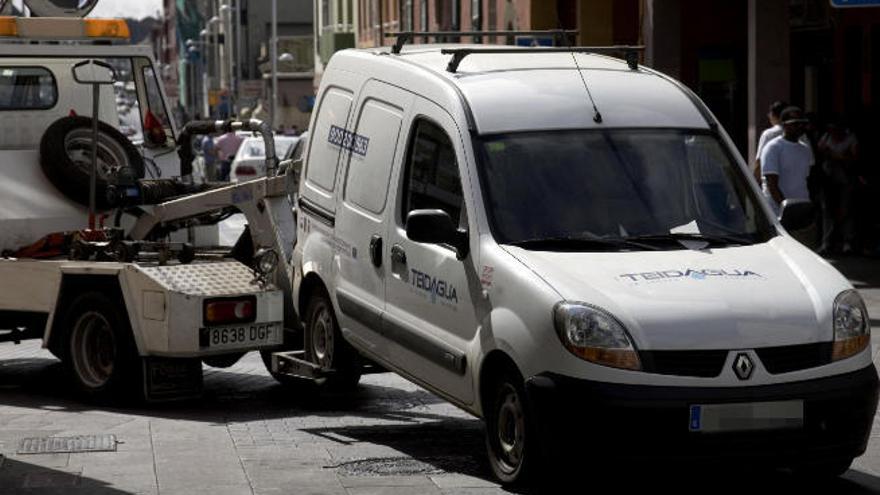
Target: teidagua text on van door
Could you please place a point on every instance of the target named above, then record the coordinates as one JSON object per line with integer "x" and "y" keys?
{"x": 434, "y": 287}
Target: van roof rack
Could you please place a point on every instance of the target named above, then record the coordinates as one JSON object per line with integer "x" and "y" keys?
{"x": 631, "y": 53}
{"x": 404, "y": 37}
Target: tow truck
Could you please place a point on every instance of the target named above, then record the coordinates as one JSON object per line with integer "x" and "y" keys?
{"x": 109, "y": 247}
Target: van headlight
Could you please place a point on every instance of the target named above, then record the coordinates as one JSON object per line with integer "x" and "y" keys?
{"x": 593, "y": 334}
{"x": 852, "y": 332}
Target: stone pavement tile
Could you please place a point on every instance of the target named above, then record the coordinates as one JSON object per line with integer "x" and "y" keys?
{"x": 363, "y": 481}
{"x": 207, "y": 489}
{"x": 394, "y": 490}
{"x": 300, "y": 490}
{"x": 453, "y": 480}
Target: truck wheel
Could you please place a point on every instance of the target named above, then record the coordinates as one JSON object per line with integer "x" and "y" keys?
{"x": 66, "y": 158}
{"x": 326, "y": 347}
{"x": 511, "y": 446}
{"x": 101, "y": 354}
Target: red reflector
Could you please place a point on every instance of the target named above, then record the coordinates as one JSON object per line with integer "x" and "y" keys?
{"x": 72, "y": 113}
{"x": 245, "y": 170}
{"x": 230, "y": 311}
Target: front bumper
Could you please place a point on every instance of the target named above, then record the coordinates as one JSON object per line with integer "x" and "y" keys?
{"x": 651, "y": 422}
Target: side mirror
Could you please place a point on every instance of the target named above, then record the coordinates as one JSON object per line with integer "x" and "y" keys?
{"x": 797, "y": 214}
{"x": 93, "y": 72}
{"x": 435, "y": 227}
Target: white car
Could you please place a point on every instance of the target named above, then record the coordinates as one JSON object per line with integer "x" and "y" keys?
{"x": 590, "y": 272}
{"x": 250, "y": 160}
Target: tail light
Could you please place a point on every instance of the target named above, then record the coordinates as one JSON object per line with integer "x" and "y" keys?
{"x": 230, "y": 310}
{"x": 245, "y": 170}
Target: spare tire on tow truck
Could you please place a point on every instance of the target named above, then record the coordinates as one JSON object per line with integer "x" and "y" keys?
{"x": 66, "y": 158}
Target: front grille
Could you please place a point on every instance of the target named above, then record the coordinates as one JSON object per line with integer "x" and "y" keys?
{"x": 706, "y": 364}
{"x": 709, "y": 363}
{"x": 790, "y": 358}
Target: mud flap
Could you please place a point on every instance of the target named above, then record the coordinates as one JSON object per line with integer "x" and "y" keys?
{"x": 172, "y": 378}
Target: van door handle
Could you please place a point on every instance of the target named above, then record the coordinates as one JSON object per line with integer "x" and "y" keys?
{"x": 376, "y": 250}
{"x": 398, "y": 255}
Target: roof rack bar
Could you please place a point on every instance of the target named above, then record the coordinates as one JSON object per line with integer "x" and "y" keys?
{"x": 631, "y": 53}
{"x": 404, "y": 37}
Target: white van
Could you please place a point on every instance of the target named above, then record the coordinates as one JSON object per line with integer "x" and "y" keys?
{"x": 585, "y": 270}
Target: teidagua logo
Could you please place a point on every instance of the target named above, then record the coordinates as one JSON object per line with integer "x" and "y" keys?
{"x": 434, "y": 286}
{"x": 695, "y": 274}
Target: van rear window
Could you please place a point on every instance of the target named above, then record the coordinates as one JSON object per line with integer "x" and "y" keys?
{"x": 27, "y": 88}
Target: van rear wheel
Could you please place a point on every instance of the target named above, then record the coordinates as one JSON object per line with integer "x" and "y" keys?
{"x": 326, "y": 347}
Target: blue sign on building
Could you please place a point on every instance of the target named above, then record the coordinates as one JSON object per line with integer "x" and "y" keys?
{"x": 855, "y": 3}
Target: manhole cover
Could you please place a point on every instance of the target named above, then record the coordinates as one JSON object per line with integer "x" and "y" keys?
{"x": 50, "y": 480}
{"x": 63, "y": 445}
{"x": 387, "y": 466}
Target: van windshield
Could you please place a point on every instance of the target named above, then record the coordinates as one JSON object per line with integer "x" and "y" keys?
{"x": 617, "y": 189}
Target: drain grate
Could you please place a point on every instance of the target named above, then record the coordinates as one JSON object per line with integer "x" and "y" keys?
{"x": 65, "y": 445}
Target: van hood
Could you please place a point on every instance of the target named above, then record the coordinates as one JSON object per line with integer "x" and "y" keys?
{"x": 771, "y": 294}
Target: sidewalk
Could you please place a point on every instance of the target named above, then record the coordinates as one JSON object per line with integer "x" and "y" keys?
{"x": 249, "y": 435}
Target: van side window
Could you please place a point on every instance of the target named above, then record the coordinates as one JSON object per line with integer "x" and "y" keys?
{"x": 325, "y": 148}
{"x": 432, "y": 180}
{"x": 369, "y": 167}
{"x": 27, "y": 88}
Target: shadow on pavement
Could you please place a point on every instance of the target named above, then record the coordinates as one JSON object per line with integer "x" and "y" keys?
{"x": 41, "y": 383}
{"x": 20, "y": 477}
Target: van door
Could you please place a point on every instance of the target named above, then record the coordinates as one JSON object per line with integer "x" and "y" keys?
{"x": 370, "y": 151}
{"x": 430, "y": 307}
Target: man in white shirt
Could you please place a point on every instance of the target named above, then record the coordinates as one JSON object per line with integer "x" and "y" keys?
{"x": 772, "y": 132}
{"x": 786, "y": 161}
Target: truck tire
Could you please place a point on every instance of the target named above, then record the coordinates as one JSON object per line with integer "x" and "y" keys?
{"x": 511, "y": 444}
{"x": 99, "y": 350}
{"x": 325, "y": 345}
{"x": 65, "y": 156}
{"x": 822, "y": 471}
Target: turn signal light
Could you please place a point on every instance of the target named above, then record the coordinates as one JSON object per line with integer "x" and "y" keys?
{"x": 8, "y": 26}
{"x": 106, "y": 28}
{"x": 225, "y": 311}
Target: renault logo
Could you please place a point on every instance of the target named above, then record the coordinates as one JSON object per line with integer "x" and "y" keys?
{"x": 743, "y": 366}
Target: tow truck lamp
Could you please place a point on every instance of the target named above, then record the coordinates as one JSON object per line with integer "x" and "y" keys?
{"x": 223, "y": 311}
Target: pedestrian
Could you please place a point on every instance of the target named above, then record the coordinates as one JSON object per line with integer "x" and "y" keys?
{"x": 839, "y": 150}
{"x": 785, "y": 165}
{"x": 209, "y": 155}
{"x": 770, "y": 133}
{"x": 227, "y": 146}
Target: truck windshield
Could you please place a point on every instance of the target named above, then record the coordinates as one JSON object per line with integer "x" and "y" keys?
{"x": 617, "y": 189}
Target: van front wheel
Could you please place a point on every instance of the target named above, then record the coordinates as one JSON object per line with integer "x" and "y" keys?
{"x": 511, "y": 446}
{"x": 326, "y": 347}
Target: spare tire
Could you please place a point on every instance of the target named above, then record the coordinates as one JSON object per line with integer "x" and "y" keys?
{"x": 66, "y": 158}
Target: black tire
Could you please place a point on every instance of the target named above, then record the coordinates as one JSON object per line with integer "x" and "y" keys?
{"x": 511, "y": 443}
{"x": 822, "y": 471}
{"x": 65, "y": 156}
{"x": 325, "y": 345}
{"x": 99, "y": 350}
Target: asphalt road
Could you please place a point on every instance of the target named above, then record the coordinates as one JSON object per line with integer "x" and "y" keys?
{"x": 250, "y": 435}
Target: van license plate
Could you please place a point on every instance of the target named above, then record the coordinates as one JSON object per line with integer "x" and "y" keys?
{"x": 237, "y": 337}
{"x": 749, "y": 416}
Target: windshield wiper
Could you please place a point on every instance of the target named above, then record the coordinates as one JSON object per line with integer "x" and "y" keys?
{"x": 571, "y": 242}
{"x": 693, "y": 236}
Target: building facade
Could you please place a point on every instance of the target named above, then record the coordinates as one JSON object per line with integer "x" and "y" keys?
{"x": 737, "y": 55}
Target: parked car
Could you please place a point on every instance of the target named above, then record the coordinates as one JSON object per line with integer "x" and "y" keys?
{"x": 250, "y": 160}
{"x": 604, "y": 284}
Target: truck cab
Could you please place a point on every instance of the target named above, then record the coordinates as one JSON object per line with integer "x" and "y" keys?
{"x": 37, "y": 89}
